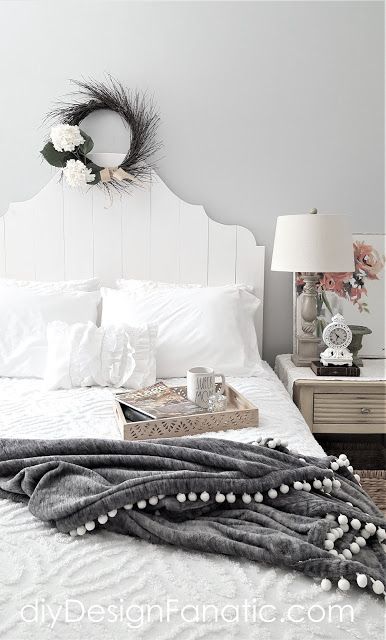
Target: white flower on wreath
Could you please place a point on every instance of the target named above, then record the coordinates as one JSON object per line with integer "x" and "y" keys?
{"x": 77, "y": 174}
{"x": 65, "y": 137}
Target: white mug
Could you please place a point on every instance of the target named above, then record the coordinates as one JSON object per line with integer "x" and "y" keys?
{"x": 201, "y": 383}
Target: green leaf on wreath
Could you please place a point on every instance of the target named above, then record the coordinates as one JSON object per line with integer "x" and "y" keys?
{"x": 55, "y": 158}
{"x": 87, "y": 145}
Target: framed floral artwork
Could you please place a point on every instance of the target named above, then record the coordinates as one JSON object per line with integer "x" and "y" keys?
{"x": 359, "y": 296}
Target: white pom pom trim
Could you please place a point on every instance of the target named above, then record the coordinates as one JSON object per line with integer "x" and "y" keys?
{"x": 343, "y": 584}
{"x": 326, "y": 584}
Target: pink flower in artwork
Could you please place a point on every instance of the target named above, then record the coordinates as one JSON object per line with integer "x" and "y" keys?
{"x": 367, "y": 260}
{"x": 335, "y": 282}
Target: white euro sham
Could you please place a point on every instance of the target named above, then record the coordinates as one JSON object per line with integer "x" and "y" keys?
{"x": 197, "y": 326}
{"x": 24, "y": 316}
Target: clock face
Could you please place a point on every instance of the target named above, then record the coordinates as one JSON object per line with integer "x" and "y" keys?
{"x": 338, "y": 336}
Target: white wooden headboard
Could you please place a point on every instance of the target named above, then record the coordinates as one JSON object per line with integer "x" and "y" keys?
{"x": 64, "y": 233}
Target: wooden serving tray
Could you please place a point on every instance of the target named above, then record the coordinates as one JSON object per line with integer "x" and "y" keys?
{"x": 240, "y": 413}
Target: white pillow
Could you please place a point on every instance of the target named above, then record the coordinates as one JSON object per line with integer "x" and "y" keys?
{"x": 24, "y": 316}
{"x": 197, "y": 326}
{"x": 146, "y": 285}
{"x": 83, "y": 355}
{"x": 92, "y": 284}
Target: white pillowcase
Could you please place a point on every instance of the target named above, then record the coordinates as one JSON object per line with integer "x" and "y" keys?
{"x": 91, "y": 284}
{"x": 24, "y": 316}
{"x": 83, "y": 355}
{"x": 208, "y": 326}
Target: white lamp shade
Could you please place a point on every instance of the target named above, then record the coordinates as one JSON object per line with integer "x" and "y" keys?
{"x": 313, "y": 242}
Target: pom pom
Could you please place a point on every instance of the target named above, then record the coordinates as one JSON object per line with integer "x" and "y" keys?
{"x": 326, "y": 584}
{"x": 339, "y": 531}
{"x": 331, "y": 536}
{"x": 334, "y": 466}
{"x": 317, "y": 484}
{"x": 336, "y": 484}
{"x": 342, "y": 519}
{"x": 161, "y": 496}
{"x": 328, "y": 544}
{"x": 342, "y": 456}
{"x": 81, "y": 530}
{"x": 365, "y": 534}
{"x": 346, "y": 463}
{"x": 204, "y": 496}
{"x": 153, "y": 500}
{"x": 349, "y": 503}
{"x": 192, "y": 496}
{"x": 306, "y": 486}
{"x": 333, "y": 552}
{"x": 330, "y": 517}
{"x": 370, "y": 528}
{"x": 356, "y": 524}
{"x": 272, "y": 444}
{"x": 112, "y": 513}
{"x": 181, "y": 497}
{"x": 360, "y": 541}
{"x": 284, "y": 488}
{"x": 258, "y": 497}
{"x": 361, "y": 580}
{"x": 345, "y": 528}
{"x": 128, "y": 506}
{"x": 357, "y": 477}
{"x": 298, "y": 485}
{"x": 246, "y": 498}
{"x": 102, "y": 519}
{"x": 327, "y": 483}
{"x": 350, "y": 469}
{"x": 278, "y": 442}
{"x": 90, "y": 525}
{"x": 231, "y": 498}
{"x": 73, "y": 533}
{"x": 343, "y": 584}
{"x": 354, "y": 547}
{"x": 284, "y": 443}
{"x": 381, "y": 533}
{"x": 220, "y": 497}
{"x": 347, "y": 554}
{"x": 378, "y": 587}
{"x": 272, "y": 493}
{"x": 141, "y": 504}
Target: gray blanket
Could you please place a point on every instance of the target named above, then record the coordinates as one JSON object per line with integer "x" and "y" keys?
{"x": 260, "y": 502}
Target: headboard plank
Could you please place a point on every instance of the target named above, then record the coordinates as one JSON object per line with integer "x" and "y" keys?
{"x": 193, "y": 241}
{"x": 135, "y": 235}
{"x": 164, "y": 226}
{"x": 65, "y": 233}
{"x": 78, "y": 234}
{"x": 222, "y": 253}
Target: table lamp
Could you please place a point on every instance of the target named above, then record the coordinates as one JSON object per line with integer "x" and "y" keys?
{"x": 311, "y": 244}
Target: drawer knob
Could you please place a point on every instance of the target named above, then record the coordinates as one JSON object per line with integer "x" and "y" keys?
{"x": 365, "y": 410}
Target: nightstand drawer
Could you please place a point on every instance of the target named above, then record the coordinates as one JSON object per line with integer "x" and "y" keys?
{"x": 343, "y": 408}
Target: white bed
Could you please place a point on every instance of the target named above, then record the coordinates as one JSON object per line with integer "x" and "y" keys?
{"x": 37, "y": 562}
{"x": 108, "y": 569}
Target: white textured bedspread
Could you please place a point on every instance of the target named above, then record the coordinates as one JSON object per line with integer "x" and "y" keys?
{"x": 109, "y": 586}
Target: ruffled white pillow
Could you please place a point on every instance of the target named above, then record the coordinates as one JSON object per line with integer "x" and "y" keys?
{"x": 84, "y": 355}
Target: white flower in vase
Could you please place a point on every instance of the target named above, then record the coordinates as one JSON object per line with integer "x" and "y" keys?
{"x": 66, "y": 137}
{"x": 77, "y": 174}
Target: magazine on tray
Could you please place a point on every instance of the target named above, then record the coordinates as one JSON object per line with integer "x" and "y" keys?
{"x": 159, "y": 401}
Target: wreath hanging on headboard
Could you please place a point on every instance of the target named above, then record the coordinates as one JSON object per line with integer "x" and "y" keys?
{"x": 69, "y": 146}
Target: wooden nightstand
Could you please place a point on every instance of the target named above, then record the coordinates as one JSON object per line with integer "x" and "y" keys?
{"x": 338, "y": 405}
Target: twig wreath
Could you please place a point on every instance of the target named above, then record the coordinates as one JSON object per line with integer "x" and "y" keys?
{"x": 69, "y": 145}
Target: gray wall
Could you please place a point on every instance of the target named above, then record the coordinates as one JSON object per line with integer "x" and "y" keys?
{"x": 267, "y": 107}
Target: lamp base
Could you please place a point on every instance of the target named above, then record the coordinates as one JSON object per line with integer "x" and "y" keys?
{"x": 307, "y": 350}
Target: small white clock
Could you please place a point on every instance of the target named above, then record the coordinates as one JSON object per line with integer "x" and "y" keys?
{"x": 336, "y": 336}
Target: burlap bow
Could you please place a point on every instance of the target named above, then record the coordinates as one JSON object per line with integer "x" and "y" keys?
{"x": 110, "y": 173}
